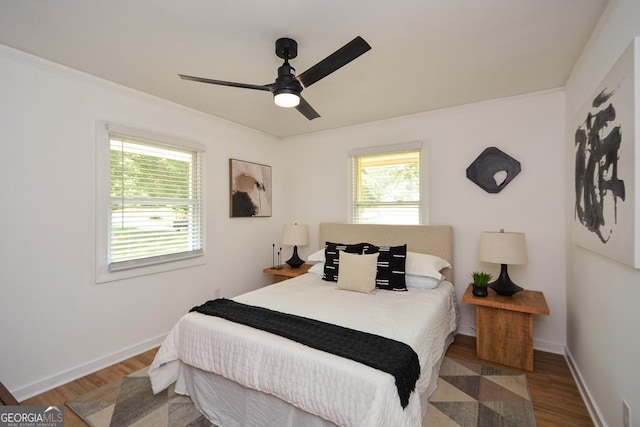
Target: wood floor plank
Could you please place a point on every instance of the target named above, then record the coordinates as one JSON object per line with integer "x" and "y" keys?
{"x": 555, "y": 396}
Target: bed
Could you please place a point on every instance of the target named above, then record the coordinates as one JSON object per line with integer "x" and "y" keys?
{"x": 241, "y": 376}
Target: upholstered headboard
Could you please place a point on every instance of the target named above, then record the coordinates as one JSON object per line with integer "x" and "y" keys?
{"x": 425, "y": 239}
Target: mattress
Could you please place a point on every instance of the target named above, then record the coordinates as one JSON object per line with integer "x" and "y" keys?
{"x": 335, "y": 389}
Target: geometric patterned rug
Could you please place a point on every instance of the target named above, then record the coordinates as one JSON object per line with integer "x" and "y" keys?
{"x": 130, "y": 402}
{"x": 468, "y": 394}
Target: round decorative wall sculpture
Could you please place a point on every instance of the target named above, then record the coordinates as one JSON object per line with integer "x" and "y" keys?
{"x": 493, "y": 169}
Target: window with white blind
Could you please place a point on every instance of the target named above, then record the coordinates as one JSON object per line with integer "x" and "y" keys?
{"x": 153, "y": 207}
{"x": 386, "y": 185}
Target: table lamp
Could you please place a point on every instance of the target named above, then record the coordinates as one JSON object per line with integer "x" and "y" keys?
{"x": 294, "y": 235}
{"x": 503, "y": 248}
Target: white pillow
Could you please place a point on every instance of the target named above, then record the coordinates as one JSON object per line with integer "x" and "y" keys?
{"x": 317, "y": 256}
{"x": 358, "y": 272}
{"x": 317, "y": 268}
{"x": 425, "y": 265}
{"x": 421, "y": 282}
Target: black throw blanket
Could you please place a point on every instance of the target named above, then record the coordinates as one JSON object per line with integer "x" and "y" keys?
{"x": 390, "y": 356}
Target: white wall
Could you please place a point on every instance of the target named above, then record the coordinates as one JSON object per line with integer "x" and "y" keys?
{"x": 55, "y": 322}
{"x": 528, "y": 128}
{"x": 602, "y": 295}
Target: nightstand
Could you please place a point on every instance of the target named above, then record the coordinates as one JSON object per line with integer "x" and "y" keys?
{"x": 286, "y": 272}
{"x": 504, "y": 326}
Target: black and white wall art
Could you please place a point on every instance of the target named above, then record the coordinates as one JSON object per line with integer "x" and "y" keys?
{"x": 493, "y": 169}
{"x": 606, "y": 163}
{"x": 250, "y": 189}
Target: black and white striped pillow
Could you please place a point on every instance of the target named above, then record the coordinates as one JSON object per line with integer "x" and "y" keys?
{"x": 391, "y": 266}
{"x": 332, "y": 258}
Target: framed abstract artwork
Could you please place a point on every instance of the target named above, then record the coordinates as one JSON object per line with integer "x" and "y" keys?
{"x": 250, "y": 189}
{"x": 605, "y": 214}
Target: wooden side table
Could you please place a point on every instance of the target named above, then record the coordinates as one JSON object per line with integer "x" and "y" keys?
{"x": 286, "y": 272}
{"x": 504, "y": 326}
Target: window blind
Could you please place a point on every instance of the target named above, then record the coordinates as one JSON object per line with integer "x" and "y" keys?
{"x": 155, "y": 202}
{"x": 387, "y": 187}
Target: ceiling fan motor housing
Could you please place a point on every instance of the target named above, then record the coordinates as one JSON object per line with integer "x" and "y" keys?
{"x": 287, "y": 79}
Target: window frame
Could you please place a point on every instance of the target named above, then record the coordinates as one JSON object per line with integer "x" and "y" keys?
{"x": 103, "y": 218}
{"x": 423, "y": 214}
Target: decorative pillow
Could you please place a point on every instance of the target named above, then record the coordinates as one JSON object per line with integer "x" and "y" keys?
{"x": 425, "y": 265}
{"x": 317, "y": 256}
{"x": 332, "y": 259}
{"x": 317, "y": 268}
{"x": 357, "y": 272}
{"x": 391, "y": 266}
{"x": 421, "y": 282}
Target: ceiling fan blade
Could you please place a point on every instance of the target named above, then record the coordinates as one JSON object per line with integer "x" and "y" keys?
{"x": 225, "y": 83}
{"x": 336, "y": 60}
{"x": 307, "y": 110}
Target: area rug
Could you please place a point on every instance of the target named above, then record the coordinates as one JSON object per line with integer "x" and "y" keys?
{"x": 468, "y": 394}
{"x": 130, "y": 402}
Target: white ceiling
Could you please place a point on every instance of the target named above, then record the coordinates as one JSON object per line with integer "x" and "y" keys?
{"x": 426, "y": 54}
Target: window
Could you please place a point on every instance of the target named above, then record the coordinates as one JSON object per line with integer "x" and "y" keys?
{"x": 154, "y": 208}
{"x": 386, "y": 185}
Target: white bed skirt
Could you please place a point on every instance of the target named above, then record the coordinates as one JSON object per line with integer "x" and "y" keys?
{"x": 229, "y": 404}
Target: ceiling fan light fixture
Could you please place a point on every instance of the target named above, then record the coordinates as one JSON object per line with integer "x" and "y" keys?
{"x": 287, "y": 88}
{"x": 286, "y": 99}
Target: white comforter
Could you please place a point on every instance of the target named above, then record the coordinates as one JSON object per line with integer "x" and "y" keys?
{"x": 337, "y": 389}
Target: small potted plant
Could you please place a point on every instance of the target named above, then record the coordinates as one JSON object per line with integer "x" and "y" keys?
{"x": 480, "y": 283}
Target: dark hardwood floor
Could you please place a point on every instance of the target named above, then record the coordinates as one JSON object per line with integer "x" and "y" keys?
{"x": 556, "y": 400}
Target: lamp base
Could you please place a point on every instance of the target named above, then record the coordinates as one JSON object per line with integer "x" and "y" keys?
{"x": 295, "y": 261}
{"x": 503, "y": 284}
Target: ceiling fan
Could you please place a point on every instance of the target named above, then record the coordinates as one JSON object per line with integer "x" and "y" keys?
{"x": 287, "y": 87}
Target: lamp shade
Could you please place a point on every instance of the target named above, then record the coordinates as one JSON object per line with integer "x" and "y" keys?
{"x": 503, "y": 248}
{"x": 295, "y": 235}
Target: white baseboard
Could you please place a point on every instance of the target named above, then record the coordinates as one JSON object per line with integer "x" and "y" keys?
{"x": 464, "y": 329}
{"x": 592, "y": 407}
{"x": 57, "y": 380}
{"x": 549, "y": 347}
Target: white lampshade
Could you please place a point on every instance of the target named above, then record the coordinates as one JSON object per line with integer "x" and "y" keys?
{"x": 503, "y": 248}
{"x": 286, "y": 100}
{"x": 295, "y": 235}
